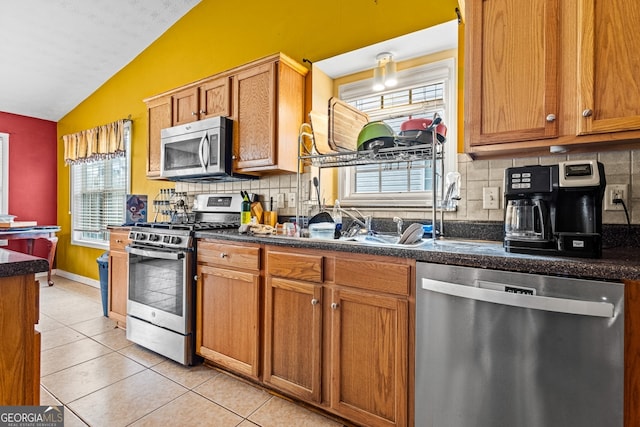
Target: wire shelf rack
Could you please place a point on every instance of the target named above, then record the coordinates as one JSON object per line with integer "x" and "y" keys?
{"x": 383, "y": 155}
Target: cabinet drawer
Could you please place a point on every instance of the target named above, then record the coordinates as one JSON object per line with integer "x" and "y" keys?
{"x": 226, "y": 255}
{"x": 118, "y": 239}
{"x": 374, "y": 275}
{"x": 295, "y": 266}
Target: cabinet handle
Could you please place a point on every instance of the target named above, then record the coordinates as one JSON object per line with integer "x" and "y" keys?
{"x": 587, "y": 113}
{"x": 314, "y": 301}
{"x": 118, "y": 241}
{"x": 203, "y": 112}
{"x": 334, "y": 305}
{"x": 551, "y": 118}
{"x": 193, "y": 113}
{"x": 233, "y": 157}
{"x": 195, "y": 277}
{"x": 223, "y": 255}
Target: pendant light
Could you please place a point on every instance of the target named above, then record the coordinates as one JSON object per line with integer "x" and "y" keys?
{"x": 385, "y": 73}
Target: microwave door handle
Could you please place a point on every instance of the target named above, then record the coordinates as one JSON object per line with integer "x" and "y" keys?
{"x": 204, "y": 141}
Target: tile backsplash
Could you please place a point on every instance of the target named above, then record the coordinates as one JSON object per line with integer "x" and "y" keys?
{"x": 621, "y": 167}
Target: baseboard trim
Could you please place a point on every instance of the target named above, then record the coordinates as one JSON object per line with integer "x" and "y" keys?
{"x": 76, "y": 277}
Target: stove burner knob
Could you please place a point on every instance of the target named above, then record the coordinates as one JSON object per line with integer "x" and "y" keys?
{"x": 175, "y": 240}
{"x": 154, "y": 237}
{"x": 141, "y": 236}
{"x": 166, "y": 239}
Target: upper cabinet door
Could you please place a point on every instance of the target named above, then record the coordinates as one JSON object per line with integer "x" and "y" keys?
{"x": 185, "y": 106}
{"x": 215, "y": 98}
{"x": 511, "y": 74}
{"x": 255, "y": 112}
{"x": 608, "y": 66}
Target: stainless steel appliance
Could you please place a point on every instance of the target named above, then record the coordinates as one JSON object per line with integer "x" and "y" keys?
{"x": 161, "y": 288}
{"x": 555, "y": 209}
{"x": 496, "y": 348}
{"x": 198, "y": 151}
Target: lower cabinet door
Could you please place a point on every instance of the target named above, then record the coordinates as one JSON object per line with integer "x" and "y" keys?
{"x": 227, "y": 332}
{"x": 369, "y": 357}
{"x": 293, "y": 333}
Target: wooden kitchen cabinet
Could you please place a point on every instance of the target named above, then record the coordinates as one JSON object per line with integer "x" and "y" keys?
{"x": 228, "y": 306}
{"x": 608, "y": 64}
{"x": 118, "y": 275}
{"x": 265, "y": 99}
{"x": 158, "y": 118}
{"x": 337, "y": 332}
{"x": 268, "y": 109}
{"x": 20, "y": 348}
{"x": 210, "y": 98}
{"x": 511, "y": 70}
{"x": 293, "y": 323}
{"x": 522, "y": 92}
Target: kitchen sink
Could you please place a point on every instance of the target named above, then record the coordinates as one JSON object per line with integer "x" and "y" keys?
{"x": 381, "y": 240}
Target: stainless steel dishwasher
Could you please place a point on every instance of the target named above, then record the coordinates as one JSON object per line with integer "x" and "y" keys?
{"x": 503, "y": 349}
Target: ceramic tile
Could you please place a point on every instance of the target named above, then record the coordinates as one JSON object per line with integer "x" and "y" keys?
{"x": 65, "y": 356}
{"x": 72, "y": 420}
{"x": 187, "y": 376}
{"x": 115, "y": 339}
{"x": 190, "y": 409}
{"x": 278, "y": 412}
{"x": 128, "y": 400}
{"x": 79, "y": 380}
{"x": 47, "y": 398}
{"x": 233, "y": 394}
{"x": 46, "y": 323}
{"x": 60, "y": 336}
{"x": 142, "y": 355}
{"x": 95, "y": 326}
{"x": 83, "y": 310}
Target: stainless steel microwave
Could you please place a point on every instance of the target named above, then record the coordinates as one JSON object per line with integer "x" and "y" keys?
{"x": 197, "y": 151}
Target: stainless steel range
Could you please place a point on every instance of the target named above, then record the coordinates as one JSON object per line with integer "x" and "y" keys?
{"x": 161, "y": 288}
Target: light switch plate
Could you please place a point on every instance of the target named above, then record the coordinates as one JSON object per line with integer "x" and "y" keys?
{"x": 291, "y": 200}
{"x": 491, "y": 198}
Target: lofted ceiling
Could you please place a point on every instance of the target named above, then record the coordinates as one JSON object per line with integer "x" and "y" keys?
{"x": 55, "y": 53}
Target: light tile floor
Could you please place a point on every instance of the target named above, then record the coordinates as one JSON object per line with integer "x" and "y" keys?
{"x": 103, "y": 379}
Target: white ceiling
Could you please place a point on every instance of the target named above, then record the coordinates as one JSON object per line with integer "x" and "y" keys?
{"x": 420, "y": 43}
{"x": 55, "y": 53}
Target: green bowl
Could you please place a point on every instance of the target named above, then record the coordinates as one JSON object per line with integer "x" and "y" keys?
{"x": 376, "y": 134}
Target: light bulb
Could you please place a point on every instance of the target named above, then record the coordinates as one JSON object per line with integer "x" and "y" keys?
{"x": 378, "y": 78}
{"x": 391, "y": 77}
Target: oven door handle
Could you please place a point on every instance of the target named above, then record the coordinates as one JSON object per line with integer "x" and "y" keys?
{"x": 154, "y": 254}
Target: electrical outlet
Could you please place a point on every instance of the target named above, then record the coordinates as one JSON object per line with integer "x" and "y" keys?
{"x": 615, "y": 191}
{"x": 291, "y": 200}
{"x": 280, "y": 201}
{"x": 491, "y": 198}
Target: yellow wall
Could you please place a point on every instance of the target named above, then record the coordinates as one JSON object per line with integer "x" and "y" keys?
{"x": 216, "y": 36}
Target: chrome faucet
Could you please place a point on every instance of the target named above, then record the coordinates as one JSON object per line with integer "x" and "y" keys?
{"x": 399, "y": 223}
{"x": 360, "y": 226}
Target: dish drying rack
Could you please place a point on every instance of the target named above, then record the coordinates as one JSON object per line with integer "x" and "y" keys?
{"x": 172, "y": 206}
{"x": 434, "y": 152}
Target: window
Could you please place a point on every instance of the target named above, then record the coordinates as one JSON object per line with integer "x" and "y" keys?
{"x": 99, "y": 190}
{"x": 426, "y": 90}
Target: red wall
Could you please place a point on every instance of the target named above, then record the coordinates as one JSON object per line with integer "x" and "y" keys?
{"x": 32, "y": 172}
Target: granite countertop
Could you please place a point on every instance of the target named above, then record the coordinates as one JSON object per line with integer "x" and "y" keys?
{"x": 615, "y": 264}
{"x": 17, "y": 264}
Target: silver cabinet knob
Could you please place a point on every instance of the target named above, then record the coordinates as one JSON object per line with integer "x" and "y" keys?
{"x": 118, "y": 241}
{"x": 587, "y": 113}
{"x": 335, "y": 306}
{"x": 223, "y": 255}
{"x": 551, "y": 118}
{"x": 195, "y": 277}
{"x": 193, "y": 113}
{"x": 314, "y": 302}
{"x": 233, "y": 157}
{"x": 203, "y": 112}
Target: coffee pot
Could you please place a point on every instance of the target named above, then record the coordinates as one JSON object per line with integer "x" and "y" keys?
{"x": 526, "y": 219}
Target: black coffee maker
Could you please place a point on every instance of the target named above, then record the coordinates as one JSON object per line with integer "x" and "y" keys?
{"x": 555, "y": 209}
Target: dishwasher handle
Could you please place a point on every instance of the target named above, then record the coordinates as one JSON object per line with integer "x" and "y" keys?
{"x": 535, "y": 302}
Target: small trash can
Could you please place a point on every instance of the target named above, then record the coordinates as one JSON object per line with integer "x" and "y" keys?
{"x": 103, "y": 267}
